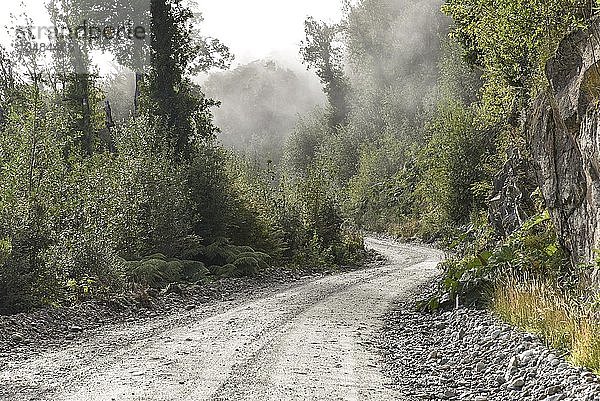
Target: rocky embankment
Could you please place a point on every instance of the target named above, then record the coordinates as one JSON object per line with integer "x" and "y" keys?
{"x": 467, "y": 354}
{"x": 563, "y": 136}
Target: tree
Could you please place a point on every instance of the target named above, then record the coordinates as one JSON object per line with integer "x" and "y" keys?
{"x": 73, "y": 66}
{"x": 322, "y": 51}
{"x": 181, "y": 106}
{"x": 510, "y": 41}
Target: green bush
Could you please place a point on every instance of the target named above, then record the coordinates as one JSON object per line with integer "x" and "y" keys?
{"x": 236, "y": 261}
{"x": 382, "y": 195}
{"x": 453, "y": 165}
{"x": 481, "y": 261}
{"x": 26, "y": 280}
{"x": 193, "y": 271}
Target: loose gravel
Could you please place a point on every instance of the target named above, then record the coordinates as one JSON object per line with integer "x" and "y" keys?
{"x": 467, "y": 354}
{"x": 310, "y": 340}
{"x": 51, "y": 328}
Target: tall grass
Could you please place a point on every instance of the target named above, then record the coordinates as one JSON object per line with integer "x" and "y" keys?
{"x": 568, "y": 322}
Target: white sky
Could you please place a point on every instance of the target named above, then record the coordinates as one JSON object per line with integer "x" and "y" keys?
{"x": 253, "y": 29}
{"x": 261, "y": 28}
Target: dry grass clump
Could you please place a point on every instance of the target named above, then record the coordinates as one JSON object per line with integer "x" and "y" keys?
{"x": 570, "y": 323}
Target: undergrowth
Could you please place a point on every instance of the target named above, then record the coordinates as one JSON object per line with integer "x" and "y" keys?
{"x": 527, "y": 280}
{"x": 567, "y": 321}
{"x": 479, "y": 260}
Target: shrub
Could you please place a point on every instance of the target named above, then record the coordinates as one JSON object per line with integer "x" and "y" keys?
{"x": 382, "y": 194}
{"x": 481, "y": 260}
{"x": 26, "y": 280}
{"x": 452, "y": 165}
{"x": 193, "y": 271}
{"x": 155, "y": 271}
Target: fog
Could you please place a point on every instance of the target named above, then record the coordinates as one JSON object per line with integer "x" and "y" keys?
{"x": 396, "y": 42}
{"x": 261, "y": 102}
{"x": 392, "y": 46}
{"x": 392, "y": 51}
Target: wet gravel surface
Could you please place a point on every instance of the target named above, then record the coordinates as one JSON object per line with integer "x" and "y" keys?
{"x": 467, "y": 354}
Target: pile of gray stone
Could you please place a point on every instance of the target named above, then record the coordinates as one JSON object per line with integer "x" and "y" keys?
{"x": 467, "y": 354}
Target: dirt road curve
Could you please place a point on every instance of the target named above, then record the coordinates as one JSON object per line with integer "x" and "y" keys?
{"x": 307, "y": 341}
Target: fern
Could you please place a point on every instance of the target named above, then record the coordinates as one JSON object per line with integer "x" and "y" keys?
{"x": 156, "y": 256}
{"x": 194, "y": 271}
{"x": 155, "y": 273}
{"x": 246, "y": 266}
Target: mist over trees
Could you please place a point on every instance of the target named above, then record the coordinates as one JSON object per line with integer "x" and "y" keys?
{"x": 260, "y": 104}
{"x": 383, "y": 59}
{"x": 94, "y": 203}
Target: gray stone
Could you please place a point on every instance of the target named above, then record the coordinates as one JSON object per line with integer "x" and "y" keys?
{"x": 563, "y": 131}
{"x": 517, "y": 383}
{"x": 514, "y": 362}
{"x": 17, "y": 338}
{"x": 512, "y": 369}
{"x": 481, "y": 367}
{"x": 495, "y": 334}
{"x": 556, "y": 397}
{"x": 553, "y": 390}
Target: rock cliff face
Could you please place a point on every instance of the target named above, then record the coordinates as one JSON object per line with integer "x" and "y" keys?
{"x": 563, "y": 134}
{"x": 513, "y": 201}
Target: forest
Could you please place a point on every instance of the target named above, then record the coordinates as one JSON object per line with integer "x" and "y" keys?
{"x": 417, "y": 124}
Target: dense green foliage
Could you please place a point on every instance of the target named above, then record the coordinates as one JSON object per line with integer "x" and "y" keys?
{"x": 433, "y": 116}
{"x": 422, "y": 113}
{"x": 511, "y": 42}
{"x": 409, "y": 157}
{"x": 532, "y": 251}
{"x": 90, "y": 208}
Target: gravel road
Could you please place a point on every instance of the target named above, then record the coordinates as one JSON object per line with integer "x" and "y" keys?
{"x": 313, "y": 340}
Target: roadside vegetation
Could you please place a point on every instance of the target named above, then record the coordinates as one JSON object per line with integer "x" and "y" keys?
{"x": 423, "y": 139}
{"x": 524, "y": 275}
{"x": 94, "y": 204}
{"x": 539, "y": 307}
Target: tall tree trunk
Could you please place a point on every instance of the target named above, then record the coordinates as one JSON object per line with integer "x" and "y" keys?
{"x": 83, "y": 89}
{"x": 106, "y": 135}
{"x": 139, "y": 79}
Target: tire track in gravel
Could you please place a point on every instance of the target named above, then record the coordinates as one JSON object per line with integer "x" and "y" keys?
{"x": 302, "y": 342}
